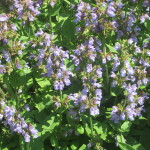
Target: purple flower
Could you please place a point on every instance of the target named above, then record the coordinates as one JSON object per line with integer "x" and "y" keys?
{"x": 33, "y": 131}
{"x": 67, "y": 81}
{"x": 99, "y": 72}
{"x": 123, "y": 72}
{"x": 39, "y": 33}
{"x": 1, "y": 116}
{"x": 3, "y": 18}
{"x": 59, "y": 74}
{"x": 98, "y": 93}
{"x": 27, "y": 137}
{"x": 89, "y": 68}
{"x": 13, "y": 26}
{"x": 94, "y": 111}
{"x": 110, "y": 12}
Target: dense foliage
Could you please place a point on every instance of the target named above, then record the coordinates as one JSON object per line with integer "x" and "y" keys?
{"x": 74, "y": 75}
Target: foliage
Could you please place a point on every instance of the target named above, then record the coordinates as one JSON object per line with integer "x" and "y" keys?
{"x": 74, "y": 75}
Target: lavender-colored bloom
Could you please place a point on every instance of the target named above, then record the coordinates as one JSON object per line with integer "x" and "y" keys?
{"x": 20, "y": 52}
{"x": 24, "y": 124}
{"x": 6, "y": 55}
{"x": 137, "y": 50}
{"x": 148, "y": 52}
{"x": 123, "y": 72}
{"x": 120, "y": 5}
{"x": 85, "y": 90}
{"x": 27, "y": 137}
{"x": 3, "y": 18}
{"x": 18, "y": 128}
{"x": 122, "y": 116}
{"x": 5, "y": 41}
{"x": 59, "y": 74}
{"x": 117, "y": 46}
{"x": 31, "y": 18}
{"x": 145, "y": 81}
{"x": 130, "y": 41}
{"x": 130, "y": 70}
{"x": 2, "y": 69}
{"x": 114, "y": 83}
{"x": 80, "y": 6}
{"x": 94, "y": 111}
{"x": 92, "y": 57}
{"x": 47, "y": 40}
{"x": 27, "y": 107}
{"x": 94, "y": 16}
{"x": 89, "y": 68}
{"x": 61, "y": 85}
{"x": 56, "y": 85}
{"x": 104, "y": 60}
{"x": 82, "y": 107}
{"x": 2, "y": 103}
{"x": 18, "y": 65}
{"x": 33, "y": 131}
{"x": 110, "y": 12}
{"x": 98, "y": 93}
{"x": 67, "y": 81}
{"x": 13, "y": 26}
{"x": 39, "y": 33}
{"x": 130, "y": 113}
{"x": 52, "y": 3}
{"x": 1, "y": 116}
{"x": 99, "y": 72}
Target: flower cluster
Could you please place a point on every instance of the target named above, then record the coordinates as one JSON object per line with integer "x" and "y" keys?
{"x": 26, "y": 10}
{"x": 9, "y": 116}
{"x": 88, "y": 51}
{"x": 54, "y": 58}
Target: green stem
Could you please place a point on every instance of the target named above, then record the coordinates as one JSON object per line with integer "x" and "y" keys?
{"x": 0, "y": 142}
{"x": 106, "y": 67}
{"x": 27, "y": 147}
{"x": 107, "y": 77}
{"x": 21, "y": 143}
{"x": 50, "y": 19}
{"x": 91, "y": 121}
{"x": 91, "y": 125}
{"x": 115, "y": 100}
{"x": 60, "y": 93}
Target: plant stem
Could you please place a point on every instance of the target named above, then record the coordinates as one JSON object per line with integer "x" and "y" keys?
{"x": 60, "y": 93}
{"x": 106, "y": 67}
{"x": 50, "y": 19}
{"x": 91, "y": 125}
{"x": 21, "y": 143}
{"x": 27, "y": 147}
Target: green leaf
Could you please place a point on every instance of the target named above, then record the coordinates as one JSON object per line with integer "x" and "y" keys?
{"x": 124, "y": 146}
{"x": 145, "y": 138}
{"x": 83, "y": 147}
{"x": 43, "y": 82}
{"x": 80, "y": 129}
{"x": 23, "y": 38}
{"x": 111, "y": 48}
{"x": 113, "y": 93}
{"x": 50, "y": 123}
{"x": 125, "y": 127}
{"x": 55, "y": 10}
{"x": 74, "y": 144}
{"x": 87, "y": 129}
{"x": 135, "y": 144}
{"x": 54, "y": 140}
{"x": 37, "y": 144}
{"x": 68, "y": 29}
{"x": 147, "y": 24}
{"x": 120, "y": 138}
{"x": 101, "y": 129}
